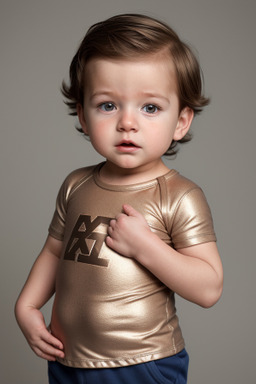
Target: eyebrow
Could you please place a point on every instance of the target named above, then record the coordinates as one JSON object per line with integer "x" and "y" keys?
{"x": 155, "y": 95}
{"x": 101, "y": 93}
{"x": 143, "y": 93}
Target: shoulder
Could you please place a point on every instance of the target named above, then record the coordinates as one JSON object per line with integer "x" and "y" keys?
{"x": 184, "y": 193}
{"x": 74, "y": 179}
{"x": 78, "y": 174}
{"x": 182, "y": 198}
{"x": 187, "y": 213}
{"x": 178, "y": 186}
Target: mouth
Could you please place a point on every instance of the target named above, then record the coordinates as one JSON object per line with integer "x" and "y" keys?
{"x": 127, "y": 143}
{"x": 127, "y": 146}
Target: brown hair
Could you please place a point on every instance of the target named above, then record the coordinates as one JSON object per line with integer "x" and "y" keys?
{"x": 133, "y": 35}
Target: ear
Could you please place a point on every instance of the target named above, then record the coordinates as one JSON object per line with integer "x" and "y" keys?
{"x": 184, "y": 123}
{"x": 81, "y": 118}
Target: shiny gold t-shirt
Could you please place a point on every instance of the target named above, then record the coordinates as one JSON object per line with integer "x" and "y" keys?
{"x": 109, "y": 311}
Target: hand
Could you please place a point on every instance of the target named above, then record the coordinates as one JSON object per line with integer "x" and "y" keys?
{"x": 127, "y": 231}
{"x": 38, "y": 337}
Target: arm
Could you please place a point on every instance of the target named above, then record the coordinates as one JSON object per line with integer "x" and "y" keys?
{"x": 38, "y": 289}
{"x": 195, "y": 273}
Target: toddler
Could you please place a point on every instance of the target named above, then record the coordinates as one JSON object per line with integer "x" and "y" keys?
{"x": 129, "y": 233}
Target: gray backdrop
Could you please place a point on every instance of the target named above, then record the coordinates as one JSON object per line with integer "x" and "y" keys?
{"x": 39, "y": 147}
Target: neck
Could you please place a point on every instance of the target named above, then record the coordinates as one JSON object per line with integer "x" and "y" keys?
{"x": 112, "y": 174}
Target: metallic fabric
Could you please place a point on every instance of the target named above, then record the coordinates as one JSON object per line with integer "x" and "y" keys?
{"x": 110, "y": 311}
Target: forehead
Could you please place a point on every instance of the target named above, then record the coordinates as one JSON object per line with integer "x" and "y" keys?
{"x": 153, "y": 70}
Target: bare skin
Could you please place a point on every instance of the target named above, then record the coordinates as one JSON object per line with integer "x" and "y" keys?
{"x": 37, "y": 290}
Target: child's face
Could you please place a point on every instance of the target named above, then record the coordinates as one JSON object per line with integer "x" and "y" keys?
{"x": 131, "y": 110}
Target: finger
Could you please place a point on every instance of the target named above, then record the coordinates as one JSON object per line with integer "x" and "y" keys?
{"x": 130, "y": 211}
{"x": 112, "y": 223}
{"x": 110, "y": 231}
{"x": 45, "y": 350}
{"x": 50, "y": 339}
{"x": 109, "y": 241}
{"x": 120, "y": 216}
{"x": 48, "y": 355}
{"x": 43, "y": 355}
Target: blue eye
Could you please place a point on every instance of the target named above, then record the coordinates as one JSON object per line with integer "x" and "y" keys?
{"x": 150, "y": 108}
{"x": 107, "y": 107}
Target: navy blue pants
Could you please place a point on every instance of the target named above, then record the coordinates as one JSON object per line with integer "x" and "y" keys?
{"x": 170, "y": 370}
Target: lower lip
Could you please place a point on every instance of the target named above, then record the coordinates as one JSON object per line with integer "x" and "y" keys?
{"x": 127, "y": 148}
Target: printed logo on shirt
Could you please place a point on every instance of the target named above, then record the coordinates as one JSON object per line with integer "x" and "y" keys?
{"x": 87, "y": 239}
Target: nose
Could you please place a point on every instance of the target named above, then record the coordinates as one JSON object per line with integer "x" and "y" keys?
{"x": 127, "y": 121}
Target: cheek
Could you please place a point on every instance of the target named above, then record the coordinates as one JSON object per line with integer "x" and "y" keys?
{"x": 99, "y": 136}
{"x": 162, "y": 133}
{"x": 95, "y": 128}
{"x": 158, "y": 143}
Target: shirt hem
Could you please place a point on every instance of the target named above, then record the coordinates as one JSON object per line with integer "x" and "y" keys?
{"x": 121, "y": 361}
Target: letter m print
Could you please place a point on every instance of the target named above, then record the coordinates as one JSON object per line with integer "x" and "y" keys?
{"x": 86, "y": 241}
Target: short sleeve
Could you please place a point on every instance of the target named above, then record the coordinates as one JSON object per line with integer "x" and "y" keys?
{"x": 57, "y": 225}
{"x": 192, "y": 221}
{"x": 70, "y": 184}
